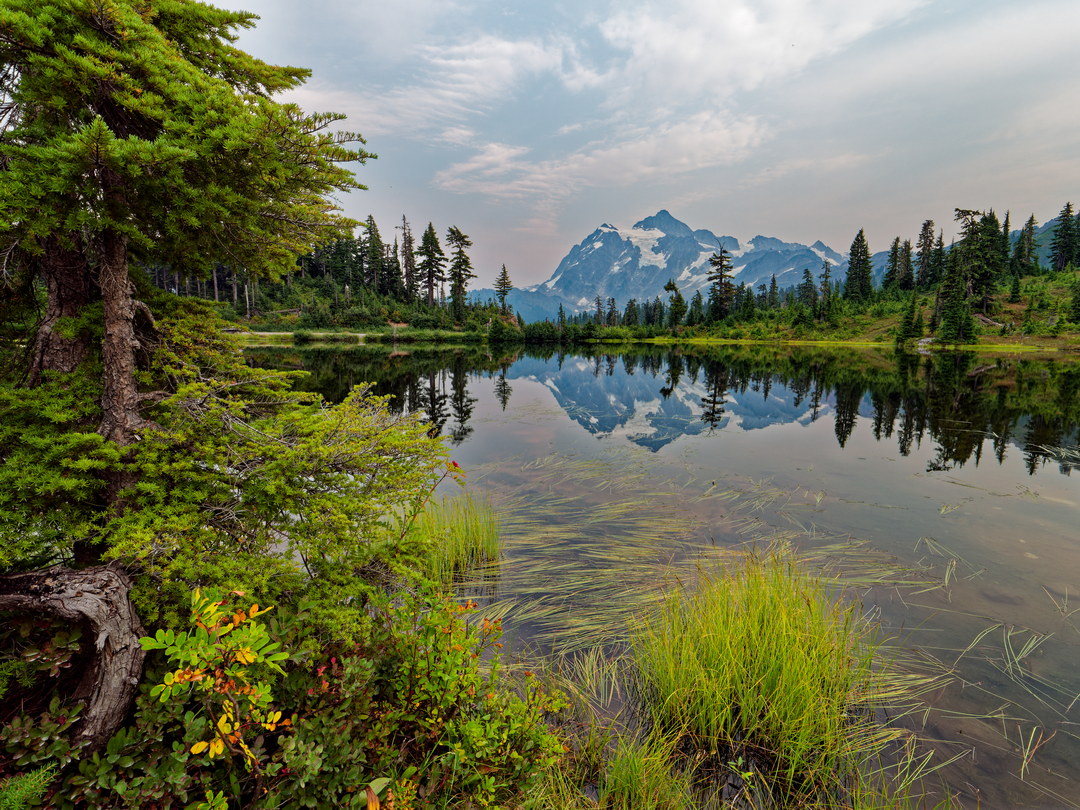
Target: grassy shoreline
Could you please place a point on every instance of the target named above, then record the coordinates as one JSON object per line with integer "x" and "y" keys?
{"x": 1016, "y": 345}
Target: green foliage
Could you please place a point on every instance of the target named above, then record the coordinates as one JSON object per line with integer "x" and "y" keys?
{"x": 221, "y": 657}
{"x": 419, "y": 706}
{"x": 422, "y": 707}
{"x": 52, "y": 459}
{"x": 25, "y": 790}
{"x": 152, "y": 126}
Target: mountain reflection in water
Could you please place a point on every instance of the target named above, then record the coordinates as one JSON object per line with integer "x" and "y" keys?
{"x": 967, "y": 406}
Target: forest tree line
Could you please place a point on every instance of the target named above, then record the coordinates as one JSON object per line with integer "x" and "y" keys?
{"x": 946, "y": 291}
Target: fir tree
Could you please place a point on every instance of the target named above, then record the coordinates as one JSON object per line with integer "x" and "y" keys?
{"x": 696, "y": 313}
{"x": 460, "y": 271}
{"x": 955, "y": 324}
{"x": 677, "y": 311}
{"x": 859, "y": 283}
{"x": 408, "y": 262}
{"x": 631, "y": 316}
{"x": 1024, "y": 260}
{"x": 905, "y": 274}
{"x": 1063, "y": 244}
{"x": 721, "y": 289}
{"x": 503, "y": 285}
{"x": 825, "y": 300}
{"x": 807, "y": 292}
{"x": 612, "y": 316}
{"x": 432, "y": 262}
{"x": 924, "y": 277}
{"x": 892, "y": 267}
{"x": 374, "y": 256}
{"x": 906, "y": 330}
{"x": 1014, "y": 290}
{"x": 774, "y": 294}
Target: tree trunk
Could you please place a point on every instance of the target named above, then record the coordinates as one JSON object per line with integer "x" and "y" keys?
{"x": 120, "y": 420}
{"x": 70, "y": 288}
{"x": 97, "y": 599}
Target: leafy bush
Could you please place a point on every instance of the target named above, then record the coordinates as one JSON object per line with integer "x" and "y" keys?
{"x": 422, "y": 708}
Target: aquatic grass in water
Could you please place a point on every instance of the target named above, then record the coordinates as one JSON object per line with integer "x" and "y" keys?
{"x": 460, "y": 532}
{"x": 764, "y": 662}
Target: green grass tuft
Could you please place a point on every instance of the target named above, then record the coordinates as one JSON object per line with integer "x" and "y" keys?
{"x": 765, "y": 663}
{"x": 460, "y": 533}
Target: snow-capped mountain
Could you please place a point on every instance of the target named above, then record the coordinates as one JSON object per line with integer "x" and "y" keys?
{"x": 622, "y": 264}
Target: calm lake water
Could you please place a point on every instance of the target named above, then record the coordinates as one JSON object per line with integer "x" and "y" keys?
{"x": 947, "y": 478}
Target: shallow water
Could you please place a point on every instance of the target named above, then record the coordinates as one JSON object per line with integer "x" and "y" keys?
{"x": 619, "y": 474}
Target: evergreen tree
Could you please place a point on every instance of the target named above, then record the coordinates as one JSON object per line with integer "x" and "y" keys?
{"x": 906, "y": 271}
{"x": 503, "y": 285}
{"x": 1014, "y": 290}
{"x": 924, "y": 277}
{"x": 747, "y": 308}
{"x": 906, "y": 330}
{"x": 938, "y": 263}
{"x": 138, "y": 134}
{"x": 890, "y": 280}
{"x": 561, "y": 319}
{"x": 677, "y": 310}
{"x": 460, "y": 271}
{"x": 825, "y": 301}
{"x": 374, "y": 256}
{"x": 955, "y": 324}
{"x": 1005, "y": 249}
{"x": 1063, "y": 244}
{"x": 612, "y": 317}
{"x": 696, "y": 313}
{"x": 859, "y": 283}
{"x": 631, "y": 317}
{"x": 773, "y": 300}
{"x": 1024, "y": 257}
{"x": 721, "y": 289}
{"x": 432, "y": 262}
{"x": 408, "y": 262}
{"x": 392, "y": 284}
{"x": 807, "y": 292}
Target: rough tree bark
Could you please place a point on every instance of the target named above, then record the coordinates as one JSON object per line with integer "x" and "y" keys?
{"x": 97, "y": 599}
{"x": 70, "y": 288}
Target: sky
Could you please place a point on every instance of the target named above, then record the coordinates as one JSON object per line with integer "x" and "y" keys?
{"x": 529, "y": 124}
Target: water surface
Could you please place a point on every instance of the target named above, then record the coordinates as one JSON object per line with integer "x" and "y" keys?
{"x": 619, "y": 473}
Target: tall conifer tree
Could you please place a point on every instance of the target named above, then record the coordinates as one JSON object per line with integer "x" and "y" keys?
{"x": 859, "y": 283}
{"x": 1063, "y": 245}
{"x": 432, "y": 264}
{"x": 460, "y": 271}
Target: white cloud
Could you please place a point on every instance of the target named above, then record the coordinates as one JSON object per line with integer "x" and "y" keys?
{"x": 694, "y": 49}
{"x": 459, "y": 83}
{"x": 639, "y": 157}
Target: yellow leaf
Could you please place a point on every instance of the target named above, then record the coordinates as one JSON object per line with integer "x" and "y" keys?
{"x": 199, "y": 747}
{"x": 245, "y": 655}
{"x": 216, "y": 747}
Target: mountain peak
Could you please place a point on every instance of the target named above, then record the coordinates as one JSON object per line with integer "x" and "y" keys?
{"x": 664, "y": 222}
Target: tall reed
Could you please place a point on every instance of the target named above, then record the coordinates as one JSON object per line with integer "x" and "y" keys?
{"x": 459, "y": 532}
{"x": 764, "y": 662}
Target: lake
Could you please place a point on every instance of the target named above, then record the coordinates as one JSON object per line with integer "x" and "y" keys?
{"x": 940, "y": 486}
